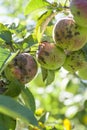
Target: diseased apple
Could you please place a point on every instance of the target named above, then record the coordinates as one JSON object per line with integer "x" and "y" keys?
{"x": 23, "y": 67}
{"x": 68, "y": 35}
{"x": 49, "y": 56}
{"x": 79, "y": 10}
{"x": 75, "y": 61}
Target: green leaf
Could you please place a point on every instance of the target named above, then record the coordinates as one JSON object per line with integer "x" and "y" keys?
{"x": 43, "y": 118}
{"x": 38, "y": 81}
{"x": 7, "y": 60}
{"x": 28, "y": 99}
{"x": 6, "y": 36}
{"x": 44, "y": 73}
{"x": 7, "y": 123}
{"x": 2, "y": 127}
{"x": 34, "y": 5}
{"x": 4, "y": 54}
{"x": 14, "y": 89}
{"x": 82, "y": 115}
{"x": 72, "y": 88}
{"x": 42, "y": 23}
{"x": 50, "y": 77}
{"x": 12, "y": 108}
{"x": 48, "y": 34}
{"x": 85, "y": 104}
{"x": 2, "y": 27}
{"x": 28, "y": 42}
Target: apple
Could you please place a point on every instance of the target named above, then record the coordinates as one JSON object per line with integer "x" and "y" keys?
{"x": 23, "y": 67}
{"x": 79, "y": 10}
{"x": 50, "y": 56}
{"x": 68, "y": 35}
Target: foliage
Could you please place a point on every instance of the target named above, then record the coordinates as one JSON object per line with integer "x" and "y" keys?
{"x": 54, "y": 99}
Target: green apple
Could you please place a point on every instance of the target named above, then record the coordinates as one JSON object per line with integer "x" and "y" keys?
{"x": 75, "y": 61}
{"x": 49, "y": 56}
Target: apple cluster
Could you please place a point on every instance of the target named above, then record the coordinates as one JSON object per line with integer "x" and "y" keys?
{"x": 69, "y": 35}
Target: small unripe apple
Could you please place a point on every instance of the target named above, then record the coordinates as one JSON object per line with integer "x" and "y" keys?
{"x": 23, "y": 67}
{"x": 75, "y": 61}
{"x": 49, "y": 56}
{"x": 79, "y": 10}
{"x": 68, "y": 35}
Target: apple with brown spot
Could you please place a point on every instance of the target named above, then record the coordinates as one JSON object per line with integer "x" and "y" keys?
{"x": 50, "y": 56}
{"x": 23, "y": 67}
{"x": 68, "y": 35}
